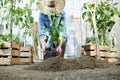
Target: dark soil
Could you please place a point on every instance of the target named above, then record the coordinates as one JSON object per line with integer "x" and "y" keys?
{"x": 61, "y": 64}
{"x": 57, "y": 68}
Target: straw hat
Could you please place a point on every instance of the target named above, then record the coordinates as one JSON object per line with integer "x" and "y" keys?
{"x": 47, "y": 5}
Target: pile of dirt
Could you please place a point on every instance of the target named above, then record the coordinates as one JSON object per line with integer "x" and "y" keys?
{"x": 61, "y": 64}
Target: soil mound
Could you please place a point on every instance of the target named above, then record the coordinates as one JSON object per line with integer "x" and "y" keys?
{"x": 61, "y": 64}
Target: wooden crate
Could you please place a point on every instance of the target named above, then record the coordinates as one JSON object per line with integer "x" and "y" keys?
{"x": 110, "y": 60}
{"x": 107, "y": 53}
{"x": 24, "y": 60}
{"x": 15, "y": 60}
{"x": 9, "y": 60}
{"x": 10, "y": 44}
{"x": 9, "y": 53}
{"x": 26, "y": 55}
{"x": 89, "y": 50}
{"x": 5, "y": 60}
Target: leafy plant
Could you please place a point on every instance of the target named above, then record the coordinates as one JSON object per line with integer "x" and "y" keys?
{"x": 105, "y": 11}
{"x": 5, "y": 37}
{"x": 57, "y": 26}
{"x": 14, "y": 15}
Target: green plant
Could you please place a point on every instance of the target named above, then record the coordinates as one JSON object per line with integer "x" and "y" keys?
{"x": 5, "y": 37}
{"x": 105, "y": 11}
{"x": 57, "y": 25}
{"x": 15, "y": 15}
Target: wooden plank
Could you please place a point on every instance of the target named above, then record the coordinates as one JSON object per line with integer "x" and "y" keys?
{"x": 15, "y": 61}
{"x": 90, "y": 53}
{"x": 102, "y": 54}
{"x": 102, "y": 47}
{"x": 107, "y": 54}
{"x": 1, "y": 45}
{"x": 90, "y": 47}
{"x": 6, "y": 44}
{"x": 15, "y": 53}
{"x": 5, "y": 61}
{"x": 5, "y": 52}
{"x": 10, "y": 44}
{"x": 26, "y": 60}
{"x": 110, "y": 60}
{"x": 25, "y": 48}
{"x": 25, "y": 54}
{"x": 15, "y": 45}
{"x": 113, "y": 49}
{"x": 9, "y": 51}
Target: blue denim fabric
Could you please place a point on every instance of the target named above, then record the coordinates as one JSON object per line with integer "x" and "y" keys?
{"x": 45, "y": 22}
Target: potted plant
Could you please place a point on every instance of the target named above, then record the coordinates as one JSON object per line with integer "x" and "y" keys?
{"x": 16, "y": 16}
{"x": 103, "y": 20}
{"x": 105, "y": 11}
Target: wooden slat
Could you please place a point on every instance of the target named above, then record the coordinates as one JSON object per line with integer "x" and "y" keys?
{"x": 9, "y": 51}
{"x": 107, "y": 54}
{"x": 6, "y": 44}
{"x": 113, "y": 49}
{"x": 102, "y": 47}
{"x": 15, "y": 45}
{"x": 90, "y": 47}
{"x": 25, "y": 54}
{"x": 10, "y": 44}
{"x": 26, "y": 60}
{"x": 90, "y": 50}
{"x": 15, "y": 61}
{"x": 90, "y": 53}
{"x": 5, "y": 51}
{"x": 5, "y": 61}
{"x": 110, "y": 60}
{"x": 25, "y": 48}
{"x": 15, "y": 52}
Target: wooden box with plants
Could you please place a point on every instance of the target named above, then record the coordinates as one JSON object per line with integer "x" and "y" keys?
{"x": 100, "y": 16}
{"x": 107, "y": 53}
{"x": 14, "y": 16}
{"x": 26, "y": 55}
{"x": 9, "y": 53}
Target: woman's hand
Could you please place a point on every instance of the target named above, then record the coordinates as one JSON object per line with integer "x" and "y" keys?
{"x": 42, "y": 39}
{"x": 44, "y": 47}
{"x": 59, "y": 50}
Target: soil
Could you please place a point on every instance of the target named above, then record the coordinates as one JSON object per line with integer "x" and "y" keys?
{"x": 61, "y": 64}
{"x": 57, "y": 68}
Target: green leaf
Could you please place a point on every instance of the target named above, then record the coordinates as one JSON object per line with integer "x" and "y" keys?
{"x": 31, "y": 20}
{"x": 16, "y": 20}
{"x": 117, "y": 12}
{"x": 84, "y": 15}
{"x": 24, "y": 34}
{"x": 115, "y": 3}
{"x": 31, "y": 1}
{"x": 85, "y": 5}
{"x": 6, "y": 26}
{"x": 107, "y": 42}
{"x": 107, "y": 13}
{"x": 6, "y": 2}
{"x": 109, "y": 50}
{"x": 58, "y": 21}
{"x": 90, "y": 40}
{"x": 17, "y": 40}
{"x": 46, "y": 29}
{"x": 110, "y": 25}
